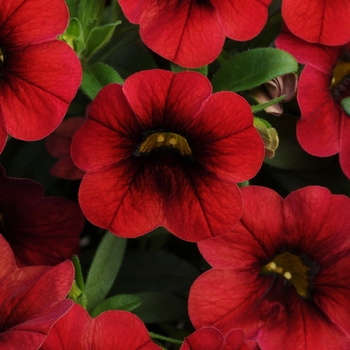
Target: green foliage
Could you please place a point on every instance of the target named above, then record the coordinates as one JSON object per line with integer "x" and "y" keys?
{"x": 98, "y": 76}
{"x": 104, "y": 269}
{"x": 125, "y": 302}
{"x": 345, "y": 103}
{"x": 252, "y": 68}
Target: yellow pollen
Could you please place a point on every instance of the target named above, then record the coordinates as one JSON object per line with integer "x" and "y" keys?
{"x": 173, "y": 141}
{"x": 271, "y": 266}
{"x": 287, "y": 275}
{"x": 164, "y": 140}
{"x": 279, "y": 269}
{"x": 160, "y": 138}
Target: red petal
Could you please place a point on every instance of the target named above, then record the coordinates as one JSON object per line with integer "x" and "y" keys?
{"x": 186, "y": 33}
{"x": 32, "y": 300}
{"x": 162, "y": 99}
{"x": 238, "y": 20}
{"x": 318, "y": 131}
{"x": 228, "y": 143}
{"x": 39, "y": 83}
{"x": 344, "y": 153}
{"x": 327, "y": 21}
{"x": 26, "y": 22}
{"x": 205, "y": 338}
{"x": 321, "y": 57}
{"x": 111, "y": 330}
{"x": 66, "y": 169}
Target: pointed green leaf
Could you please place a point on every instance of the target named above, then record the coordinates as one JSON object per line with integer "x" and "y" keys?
{"x": 125, "y": 302}
{"x": 98, "y": 76}
{"x": 104, "y": 269}
{"x": 99, "y": 37}
{"x": 252, "y": 68}
{"x": 90, "y": 12}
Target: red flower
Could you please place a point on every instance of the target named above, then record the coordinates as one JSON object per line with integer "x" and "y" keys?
{"x": 318, "y": 21}
{"x": 31, "y": 300}
{"x": 191, "y": 33}
{"x": 282, "y": 274}
{"x": 41, "y": 231}
{"x": 324, "y": 127}
{"x": 163, "y": 151}
{"x": 39, "y": 75}
{"x": 58, "y": 145}
{"x": 117, "y": 330}
{"x": 210, "y": 338}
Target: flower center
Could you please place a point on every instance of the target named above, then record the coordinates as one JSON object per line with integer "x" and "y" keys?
{"x": 340, "y": 85}
{"x": 165, "y": 139}
{"x": 293, "y": 269}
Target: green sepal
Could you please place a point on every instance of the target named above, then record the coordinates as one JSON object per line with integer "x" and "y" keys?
{"x": 99, "y": 37}
{"x": 126, "y": 302}
{"x": 90, "y": 13}
{"x": 96, "y": 77}
{"x": 252, "y": 68}
{"x": 345, "y": 103}
{"x": 260, "y": 107}
{"x": 72, "y": 7}
{"x": 104, "y": 269}
{"x": 175, "y": 68}
{"x": 73, "y": 35}
{"x": 261, "y": 122}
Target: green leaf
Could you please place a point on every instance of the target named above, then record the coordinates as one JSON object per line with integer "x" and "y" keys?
{"x": 99, "y": 37}
{"x": 104, "y": 269}
{"x": 72, "y": 7}
{"x": 98, "y": 76}
{"x": 125, "y": 302}
{"x": 345, "y": 103}
{"x": 90, "y": 12}
{"x": 252, "y": 68}
{"x": 175, "y": 68}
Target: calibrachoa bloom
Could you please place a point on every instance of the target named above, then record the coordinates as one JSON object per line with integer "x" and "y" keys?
{"x": 318, "y": 21}
{"x": 31, "y": 300}
{"x": 191, "y": 33}
{"x": 117, "y": 330}
{"x": 58, "y": 145}
{"x": 163, "y": 151}
{"x": 210, "y": 338}
{"x": 282, "y": 274}
{"x": 39, "y": 75}
{"x": 324, "y": 127}
{"x": 41, "y": 230}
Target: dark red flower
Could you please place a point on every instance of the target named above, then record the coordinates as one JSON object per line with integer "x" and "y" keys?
{"x": 117, "y": 330}
{"x": 324, "y": 127}
{"x": 210, "y": 338}
{"x": 318, "y": 21}
{"x": 39, "y": 75}
{"x": 40, "y": 230}
{"x": 191, "y": 33}
{"x": 58, "y": 145}
{"x": 282, "y": 273}
{"x": 31, "y": 300}
{"x": 163, "y": 151}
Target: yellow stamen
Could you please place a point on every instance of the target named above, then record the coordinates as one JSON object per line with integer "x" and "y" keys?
{"x": 293, "y": 269}
{"x": 165, "y": 139}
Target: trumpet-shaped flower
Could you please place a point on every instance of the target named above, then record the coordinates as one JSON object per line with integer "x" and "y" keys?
{"x": 31, "y": 300}
{"x": 162, "y": 150}
{"x": 281, "y": 273}
{"x": 323, "y": 129}
{"x": 117, "y": 330}
{"x": 191, "y": 33}
{"x": 39, "y": 75}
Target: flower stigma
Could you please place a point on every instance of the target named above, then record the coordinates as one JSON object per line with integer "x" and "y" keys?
{"x": 164, "y": 139}
{"x": 293, "y": 269}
